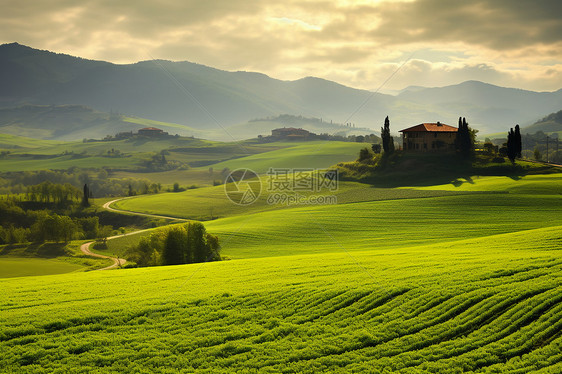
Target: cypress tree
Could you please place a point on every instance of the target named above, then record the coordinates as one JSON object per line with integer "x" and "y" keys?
{"x": 517, "y": 140}
{"x": 387, "y": 141}
{"x": 463, "y": 141}
{"x": 511, "y": 145}
{"x": 85, "y": 201}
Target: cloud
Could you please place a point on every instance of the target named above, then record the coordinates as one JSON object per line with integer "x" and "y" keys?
{"x": 358, "y": 43}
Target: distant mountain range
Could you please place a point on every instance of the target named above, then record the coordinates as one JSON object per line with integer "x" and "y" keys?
{"x": 208, "y": 100}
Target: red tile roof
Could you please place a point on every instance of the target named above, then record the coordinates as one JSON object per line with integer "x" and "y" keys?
{"x": 151, "y": 129}
{"x": 431, "y": 127}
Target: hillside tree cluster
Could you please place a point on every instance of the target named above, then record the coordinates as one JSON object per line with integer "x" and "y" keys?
{"x": 181, "y": 244}
{"x": 19, "y": 225}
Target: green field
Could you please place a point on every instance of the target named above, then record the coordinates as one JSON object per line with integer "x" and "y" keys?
{"x": 23, "y": 267}
{"x": 457, "y": 277}
{"x": 485, "y": 305}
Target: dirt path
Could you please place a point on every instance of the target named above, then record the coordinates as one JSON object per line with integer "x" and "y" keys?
{"x": 118, "y": 262}
{"x": 108, "y": 207}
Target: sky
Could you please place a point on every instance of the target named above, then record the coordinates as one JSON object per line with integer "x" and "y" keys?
{"x": 383, "y": 45}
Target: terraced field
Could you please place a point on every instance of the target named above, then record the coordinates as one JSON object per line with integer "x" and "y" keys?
{"x": 477, "y": 305}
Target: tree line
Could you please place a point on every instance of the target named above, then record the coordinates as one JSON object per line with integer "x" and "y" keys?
{"x": 21, "y": 226}
{"x": 99, "y": 182}
{"x": 180, "y": 244}
{"x": 47, "y": 192}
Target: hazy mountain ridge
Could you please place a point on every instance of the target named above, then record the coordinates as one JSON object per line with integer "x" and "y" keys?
{"x": 208, "y": 99}
{"x": 72, "y": 122}
{"x": 547, "y": 124}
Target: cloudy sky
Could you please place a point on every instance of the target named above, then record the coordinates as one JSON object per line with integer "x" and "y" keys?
{"x": 360, "y": 43}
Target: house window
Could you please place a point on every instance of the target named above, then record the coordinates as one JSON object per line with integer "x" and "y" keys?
{"x": 435, "y": 135}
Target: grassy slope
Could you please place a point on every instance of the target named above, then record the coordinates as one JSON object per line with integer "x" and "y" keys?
{"x": 317, "y": 154}
{"x": 12, "y": 142}
{"x": 22, "y": 267}
{"x": 32, "y": 259}
{"x": 453, "y": 282}
{"x": 479, "y": 304}
{"x": 383, "y": 224}
{"x": 531, "y": 184}
{"x": 366, "y": 217}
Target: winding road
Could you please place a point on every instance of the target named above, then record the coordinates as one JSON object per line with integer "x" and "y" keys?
{"x": 108, "y": 207}
{"x": 119, "y": 262}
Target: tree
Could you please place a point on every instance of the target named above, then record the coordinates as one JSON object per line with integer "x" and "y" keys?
{"x": 175, "y": 246}
{"x": 213, "y": 248}
{"x": 514, "y": 143}
{"x": 104, "y": 232}
{"x": 511, "y": 145}
{"x": 517, "y": 139}
{"x": 364, "y": 155}
{"x": 197, "y": 236}
{"x": 86, "y": 196}
{"x": 67, "y": 228}
{"x": 387, "y": 141}
{"x": 537, "y": 154}
{"x": 464, "y": 141}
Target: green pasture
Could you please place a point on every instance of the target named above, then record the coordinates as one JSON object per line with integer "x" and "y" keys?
{"x": 316, "y": 154}
{"x": 365, "y": 217}
{"x": 479, "y": 305}
{"x": 13, "y": 142}
{"x": 25, "y": 266}
{"x": 63, "y": 162}
{"x": 383, "y": 224}
{"x": 30, "y": 259}
{"x": 529, "y": 184}
{"x": 212, "y": 202}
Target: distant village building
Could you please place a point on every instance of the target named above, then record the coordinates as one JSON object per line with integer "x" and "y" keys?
{"x": 152, "y": 132}
{"x": 429, "y": 137}
{"x": 291, "y": 133}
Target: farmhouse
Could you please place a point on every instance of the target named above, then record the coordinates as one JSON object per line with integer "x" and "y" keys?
{"x": 152, "y": 132}
{"x": 290, "y": 133}
{"x": 429, "y": 137}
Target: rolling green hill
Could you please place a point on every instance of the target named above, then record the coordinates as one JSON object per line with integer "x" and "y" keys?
{"x": 448, "y": 278}
{"x": 12, "y": 142}
{"x": 469, "y": 306}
